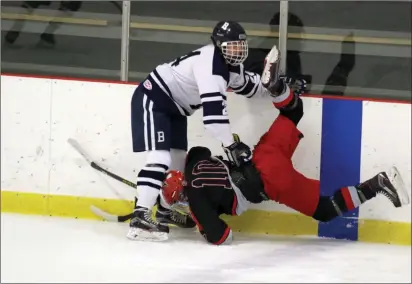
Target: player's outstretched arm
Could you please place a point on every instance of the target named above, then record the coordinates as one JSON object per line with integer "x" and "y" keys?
{"x": 252, "y": 85}
{"x": 212, "y": 89}
{"x": 248, "y": 84}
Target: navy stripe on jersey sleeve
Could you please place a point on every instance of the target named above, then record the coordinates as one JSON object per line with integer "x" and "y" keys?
{"x": 214, "y": 108}
{"x": 249, "y": 87}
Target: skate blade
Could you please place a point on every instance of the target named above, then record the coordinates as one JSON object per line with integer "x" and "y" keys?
{"x": 136, "y": 234}
{"x": 396, "y": 179}
{"x": 271, "y": 61}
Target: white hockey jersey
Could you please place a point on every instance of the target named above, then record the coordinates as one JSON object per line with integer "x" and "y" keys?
{"x": 200, "y": 80}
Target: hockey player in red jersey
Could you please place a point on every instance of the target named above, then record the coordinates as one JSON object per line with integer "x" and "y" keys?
{"x": 213, "y": 186}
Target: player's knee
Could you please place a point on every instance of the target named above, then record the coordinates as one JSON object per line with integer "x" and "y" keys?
{"x": 325, "y": 211}
{"x": 151, "y": 177}
{"x": 162, "y": 157}
{"x": 178, "y": 159}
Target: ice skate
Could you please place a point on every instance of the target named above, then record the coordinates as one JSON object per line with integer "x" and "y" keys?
{"x": 172, "y": 217}
{"x": 144, "y": 228}
{"x": 391, "y": 185}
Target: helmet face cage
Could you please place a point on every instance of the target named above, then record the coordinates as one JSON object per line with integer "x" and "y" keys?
{"x": 235, "y": 52}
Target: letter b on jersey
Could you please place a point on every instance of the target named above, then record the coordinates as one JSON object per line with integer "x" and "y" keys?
{"x": 160, "y": 136}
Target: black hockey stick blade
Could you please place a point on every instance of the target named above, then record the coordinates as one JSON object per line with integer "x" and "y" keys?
{"x": 110, "y": 217}
{"x": 95, "y": 165}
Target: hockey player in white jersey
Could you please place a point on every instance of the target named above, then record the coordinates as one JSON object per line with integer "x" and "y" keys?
{"x": 159, "y": 110}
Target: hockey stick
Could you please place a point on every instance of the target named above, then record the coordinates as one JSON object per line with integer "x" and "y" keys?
{"x": 97, "y": 211}
{"x": 110, "y": 217}
{"x": 96, "y": 166}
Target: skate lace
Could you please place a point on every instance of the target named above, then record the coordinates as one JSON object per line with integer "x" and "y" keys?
{"x": 177, "y": 217}
{"x": 148, "y": 218}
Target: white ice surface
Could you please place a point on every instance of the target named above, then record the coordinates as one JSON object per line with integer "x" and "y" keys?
{"x": 49, "y": 249}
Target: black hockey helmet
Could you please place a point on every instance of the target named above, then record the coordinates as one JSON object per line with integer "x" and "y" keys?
{"x": 230, "y": 37}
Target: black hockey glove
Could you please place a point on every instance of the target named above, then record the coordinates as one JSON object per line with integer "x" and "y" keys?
{"x": 238, "y": 153}
{"x": 298, "y": 85}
